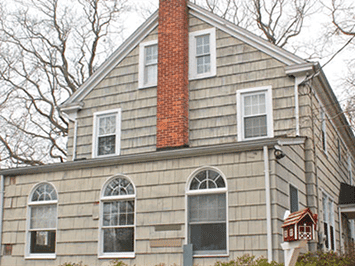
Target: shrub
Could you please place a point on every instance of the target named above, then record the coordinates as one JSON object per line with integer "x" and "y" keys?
{"x": 326, "y": 259}
{"x": 247, "y": 260}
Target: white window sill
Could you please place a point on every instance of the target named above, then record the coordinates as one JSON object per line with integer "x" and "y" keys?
{"x": 117, "y": 256}
{"x": 202, "y": 76}
{"x": 255, "y": 138}
{"x": 210, "y": 255}
{"x": 41, "y": 257}
{"x": 147, "y": 86}
{"x": 105, "y": 156}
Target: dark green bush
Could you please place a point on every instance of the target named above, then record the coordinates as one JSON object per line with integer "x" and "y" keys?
{"x": 326, "y": 259}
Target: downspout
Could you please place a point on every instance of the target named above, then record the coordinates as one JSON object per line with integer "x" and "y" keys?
{"x": 1, "y": 208}
{"x": 298, "y": 81}
{"x": 268, "y": 203}
{"x": 297, "y": 107}
{"x": 75, "y": 139}
{"x": 75, "y": 135}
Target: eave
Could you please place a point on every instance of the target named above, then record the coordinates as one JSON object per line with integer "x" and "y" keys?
{"x": 150, "y": 156}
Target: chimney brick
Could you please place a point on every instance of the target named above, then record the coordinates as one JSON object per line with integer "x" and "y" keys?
{"x": 173, "y": 93}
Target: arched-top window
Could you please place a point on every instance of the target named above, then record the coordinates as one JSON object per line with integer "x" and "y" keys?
{"x": 207, "y": 212}
{"x": 117, "y": 225}
{"x": 42, "y": 222}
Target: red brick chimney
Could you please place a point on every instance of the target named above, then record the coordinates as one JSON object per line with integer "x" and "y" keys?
{"x": 173, "y": 59}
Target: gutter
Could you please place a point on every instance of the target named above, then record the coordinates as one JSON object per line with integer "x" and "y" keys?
{"x": 1, "y": 208}
{"x": 268, "y": 203}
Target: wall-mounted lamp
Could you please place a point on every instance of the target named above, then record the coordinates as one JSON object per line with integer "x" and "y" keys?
{"x": 279, "y": 154}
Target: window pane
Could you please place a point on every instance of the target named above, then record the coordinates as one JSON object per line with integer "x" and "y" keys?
{"x": 255, "y": 126}
{"x": 44, "y": 192}
{"x": 151, "y": 54}
{"x": 208, "y": 237}
{"x": 43, "y": 217}
{"x": 207, "y": 179}
{"x": 203, "y": 64}
{"x": 118, "y": 240}
{"x": 107, "y": 125}
{"x": 293, "y": 199}
{"x": 211, "y": 208}
{"x": 118, "y": 213}
{"x": 151, "y": 74}
{"x": 107, "y": 145}
{"x": 118, "y": 187}
{"x": 202, "y": 45}
{"x": 254, "y": 104}
{"x": 42, "y": 242}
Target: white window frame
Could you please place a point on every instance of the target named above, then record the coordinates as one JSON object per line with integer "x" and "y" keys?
{"x": 30, "y": 204}
{"x": 192, "y": 54}
{"x": 323, "y": 130}
{"x": 189, "y": 192}
{"x": 330, "y": 220}
{"x": 269, "y": 111}
{"x": 98, "y": 115}
{"x": 141, "y": 72}
{"x": 103, "y": 199}
{"x": 289, "y": 193}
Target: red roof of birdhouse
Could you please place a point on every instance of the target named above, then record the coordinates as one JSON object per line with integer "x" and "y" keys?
{"x": 296, "y": 217}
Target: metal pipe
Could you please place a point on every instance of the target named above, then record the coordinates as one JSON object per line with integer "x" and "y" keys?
{"x": 268, "y": 203}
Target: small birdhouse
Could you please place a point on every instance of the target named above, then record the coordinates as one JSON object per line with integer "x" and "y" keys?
{"x": 300, "y": 225}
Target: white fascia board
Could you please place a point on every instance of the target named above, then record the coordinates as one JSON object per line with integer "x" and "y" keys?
{"x": 147, "y": 27}
{"x": 245, "y": 36}
{"x": 304, "y": 69}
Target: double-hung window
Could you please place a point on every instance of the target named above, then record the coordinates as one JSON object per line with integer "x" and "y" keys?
{"x": 328, "y": 222}
{"x": 254, "y": 113}
{"x": 117, "y": 221}
{"x": 42, "y": 222}
{"x": 202, "y": 54}
{"x": 207, "y": 213}
{"x": 148, "y": 64}
{"x": 107, "y": 131}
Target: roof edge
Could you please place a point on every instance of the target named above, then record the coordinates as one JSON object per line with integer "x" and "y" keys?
{"x": 144, "y": 157}
{"x": 125, "y": 48}
{"x": 246, "y": 36}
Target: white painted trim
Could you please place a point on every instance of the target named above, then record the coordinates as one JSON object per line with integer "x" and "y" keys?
{"x": 324, "y": 129}
{"x": 95, "y": 134}
{"x": 269, "y": 111}
{"x": 340, "y": 232}
{"x": 30, "y": 203}
{"x": 331, "y": 199}
{"x": 192, "y": 54}
{"x": 268, "y": 204}
{"x": 141, "y": 71}
{"x": 113, "y": 255}
{"x": 205, "y": 191}
{"x": 298, "y": 80}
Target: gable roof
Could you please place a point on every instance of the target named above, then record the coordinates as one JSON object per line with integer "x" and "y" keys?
{"x": 73, "y": 102}
{"x": 296, "y": 217}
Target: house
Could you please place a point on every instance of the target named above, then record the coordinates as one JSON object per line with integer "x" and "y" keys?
{"x": 194, "y": 131}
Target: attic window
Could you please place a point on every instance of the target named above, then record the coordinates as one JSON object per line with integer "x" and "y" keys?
{"x": 148, "y": 64}
{"x": 202, "y": 54}
{"x": 106, "y": 136}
